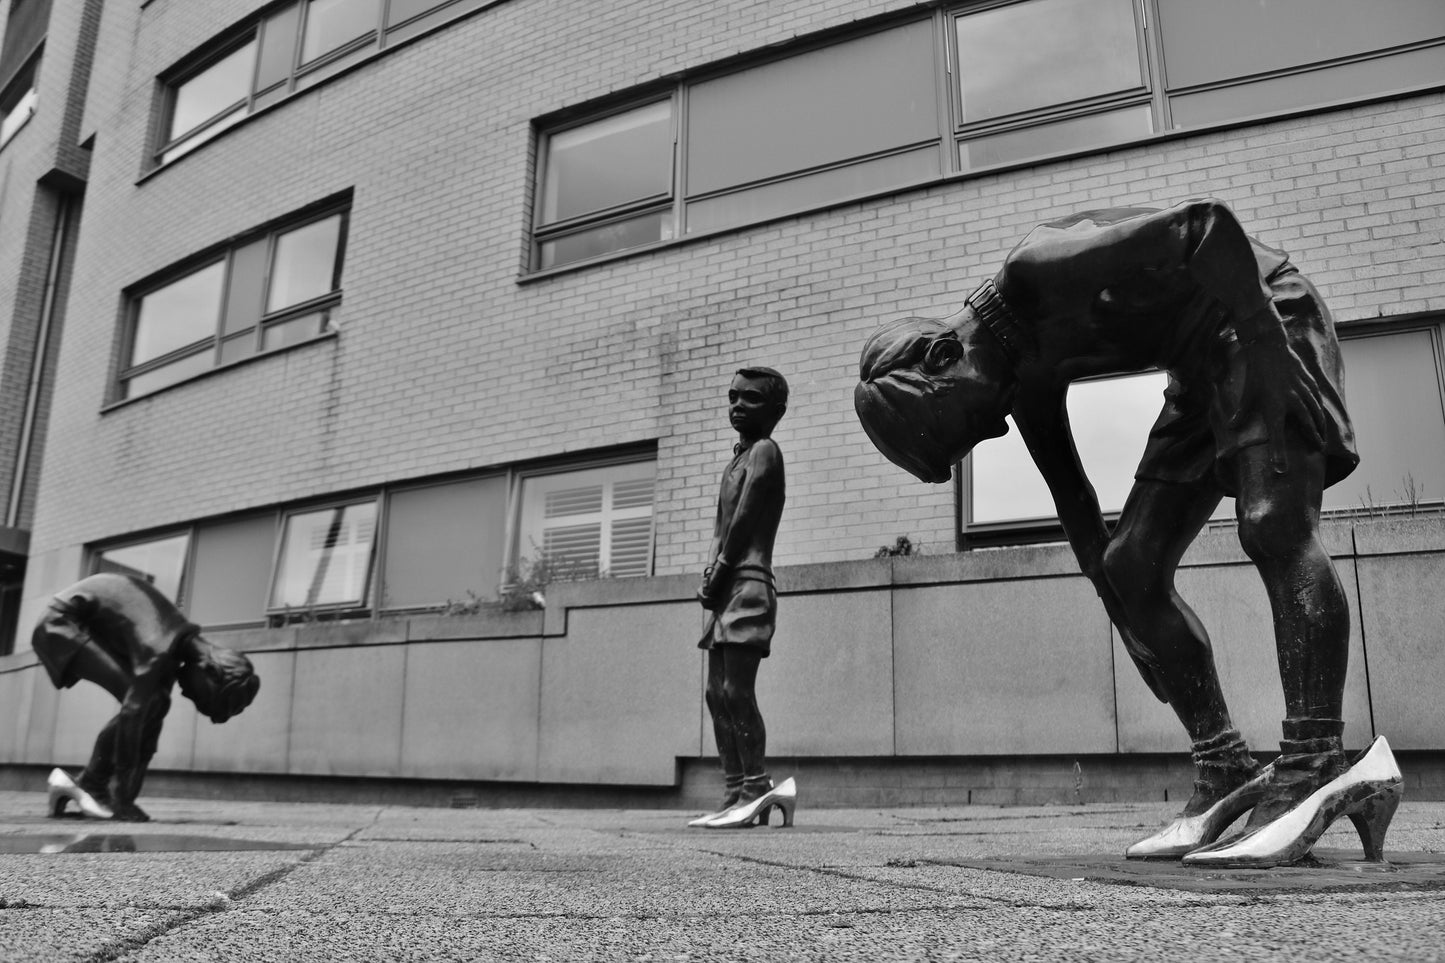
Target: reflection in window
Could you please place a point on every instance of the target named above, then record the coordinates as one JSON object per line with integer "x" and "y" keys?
{"x": 603, "y": 169}
{"x": 178, "y": 314}
{"x": 334, "y": 23}
{"x": 17, "y": 100}
{"x": 304, "y": 263}
{"x": 178, "y": 325}
{"x": 1110, "y": 420}
{"x": 325, "y": 558}
{"x": 591, "y": 522}
{"x": 1392, "y": 392}
{"x": 218, "y": 89}
{"x": 161, "y": 562}
{"x": 1025, "y": 56}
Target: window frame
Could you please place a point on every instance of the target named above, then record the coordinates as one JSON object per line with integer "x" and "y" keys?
{"x": 173, "y": 80}
{"x": 327, "y": 304}
{"x": 26, "y": 80}
{"x": 516, "y": 556}
{"x": 97, "y": 550}
{"x": 342, "y": 609}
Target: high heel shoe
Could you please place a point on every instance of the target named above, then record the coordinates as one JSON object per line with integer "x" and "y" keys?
{"x": 783, "y": 797}
{"x": 62, "y": 789}
{"x": 1368, "y": 792}
{"x": 1188, "y": 833}
{"x": 729, "y": 801}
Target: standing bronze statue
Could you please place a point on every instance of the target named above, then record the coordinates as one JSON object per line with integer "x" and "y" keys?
{"x": 738, "y": 593}
{"x": 1254, "y": 409}
{"x": 127, "y": 638}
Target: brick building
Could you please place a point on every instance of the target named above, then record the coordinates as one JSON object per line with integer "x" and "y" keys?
{"x": 333, "y": 317}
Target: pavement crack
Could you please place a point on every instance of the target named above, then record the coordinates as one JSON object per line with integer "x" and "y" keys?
{"x": 113, "y": 951}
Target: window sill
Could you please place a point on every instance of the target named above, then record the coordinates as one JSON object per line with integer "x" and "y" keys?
{"x": 212, "y": 372}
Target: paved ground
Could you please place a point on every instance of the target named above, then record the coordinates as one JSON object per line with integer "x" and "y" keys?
{"x": 970, "y": 883}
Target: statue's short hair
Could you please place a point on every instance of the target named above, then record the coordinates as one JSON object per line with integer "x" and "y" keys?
{"x": 776, "y": 386}
{"x": 220, "y": 681}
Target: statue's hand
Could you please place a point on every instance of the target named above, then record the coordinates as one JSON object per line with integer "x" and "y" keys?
{"x": 714, "y": 581}
{"x": 1278, "y": 387}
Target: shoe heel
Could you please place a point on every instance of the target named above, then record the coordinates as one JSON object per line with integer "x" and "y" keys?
{"x": 786, "y": 807}
{"x": 1371, "y": 818}
{"x": 56, "y": 803}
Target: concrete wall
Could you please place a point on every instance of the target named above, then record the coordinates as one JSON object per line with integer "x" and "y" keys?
{"x": 993, "y": 653}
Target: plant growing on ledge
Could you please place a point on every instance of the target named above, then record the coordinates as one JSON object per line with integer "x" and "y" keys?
{"x": 902, "y": 545}
{"x": 524, "y": 586}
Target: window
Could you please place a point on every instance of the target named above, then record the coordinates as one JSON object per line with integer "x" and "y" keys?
{"x": 17, "y": 100}
{"x": 608, "y": 185}
{"x": 444, "y": 543}
{"x": 265, "y": 59}
{"x": 159, "y": 561}
{"x": 275, "y": 289}
{"x": 1110, "y": 419}
{"x": 332, "y": 24}
{"x": 1057, "y": 74}
{"x": 230, "y": 569}
{"x": 966, "y": 89}
{"x": 592, "y": 522}
{"x": 209, "y": 101}
{"x": 1393, "y": 393}
{"x": 325, "y": 558}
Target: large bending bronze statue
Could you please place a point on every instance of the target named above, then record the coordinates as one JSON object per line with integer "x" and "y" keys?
{"x": 1254, "y": 409}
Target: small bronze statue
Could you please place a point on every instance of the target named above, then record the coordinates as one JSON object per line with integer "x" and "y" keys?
{"x": 120, "y": 633}
{"x": 1254, "y": 409}
{"x": 738, "y": 590}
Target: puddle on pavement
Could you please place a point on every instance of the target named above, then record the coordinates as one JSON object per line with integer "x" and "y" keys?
{"x": 135, "y": 843}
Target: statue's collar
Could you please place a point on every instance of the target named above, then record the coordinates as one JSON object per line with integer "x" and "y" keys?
{"x": 994, "y": 314}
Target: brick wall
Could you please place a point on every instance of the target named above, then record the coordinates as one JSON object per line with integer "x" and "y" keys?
{"x": 445, "y": 362}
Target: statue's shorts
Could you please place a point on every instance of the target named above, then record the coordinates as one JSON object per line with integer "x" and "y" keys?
{"x": 56, "y": 641}
{"x": 1205, "y": 420}
{"x": 750, "y": 613}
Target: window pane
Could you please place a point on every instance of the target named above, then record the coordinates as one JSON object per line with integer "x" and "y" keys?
{"x": 220, "y": 86}
{"x": 14, "y": 115}
{"x": 1110, "y": 421}
{"x": 614, "y": 161}
{"x": 294, "y": 331}
{"x": 278, "y": 47}
{"x": 617, "y": 236}
{"x": 400, "y": 11}
{"x": 325, "y": 557}
{"x": 1392, "y": 391}
{"x": 178, "y": 314}
{"x": 161, "y": 562}
{"x": 196, "y": 140}
{"x": 813, "y": 190}
{"x": 444, "y": 541}
{"x": 335, "y": 23}
{"x": 169, "y": 374}
{"x": 233, "y": 564}
{"x": 868, "y": 95}
{"x": 1045, "y": 52}
{"x": 248, "y": 282}
{"x": 304, "y": 263}
{"x": 1076, "y": 133}
{"x": 1221, "y": 39}
{"x": 588, "y": 522}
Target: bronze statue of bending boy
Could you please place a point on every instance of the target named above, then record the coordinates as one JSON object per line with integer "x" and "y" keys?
{"x": 120, "y": 633}
{"x": 1254, "y": 409}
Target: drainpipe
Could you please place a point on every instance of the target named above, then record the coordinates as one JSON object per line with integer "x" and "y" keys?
{"x": 58, "y": 239}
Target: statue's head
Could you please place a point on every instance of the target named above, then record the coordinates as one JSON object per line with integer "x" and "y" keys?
{"x": 929, "y": 390}
{"x": 757, "y": 400}
{"x": 219, "y": 681}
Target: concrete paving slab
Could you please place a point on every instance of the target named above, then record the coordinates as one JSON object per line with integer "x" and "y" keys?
{"x": 965, "y": 883}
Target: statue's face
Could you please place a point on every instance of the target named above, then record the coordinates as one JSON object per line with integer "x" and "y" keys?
{"x": 751, "y": 410}
{"x": 925, "y": 424}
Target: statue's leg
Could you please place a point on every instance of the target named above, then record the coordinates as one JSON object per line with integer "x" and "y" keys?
{"x": 1159, "y": 521}
{"x": 740, "y": 673}
{"x": 92, "y": 664}
{"x": 722, "y": 728}
{"x": 95, "y": 778}
{"x": 1279, "y": 530}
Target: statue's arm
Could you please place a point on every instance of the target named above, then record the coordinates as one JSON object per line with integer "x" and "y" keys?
{"x": 762, "y": 485}
{"x": 1043, "y": 422}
